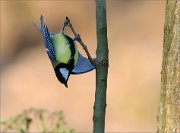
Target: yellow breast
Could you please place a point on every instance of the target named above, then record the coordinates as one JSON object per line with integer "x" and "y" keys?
{"x": 62, "y": 49}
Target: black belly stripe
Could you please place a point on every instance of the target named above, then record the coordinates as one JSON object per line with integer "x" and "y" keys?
{"x": 73, "y": 50}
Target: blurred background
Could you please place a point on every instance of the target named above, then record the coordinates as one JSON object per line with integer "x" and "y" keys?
{"x": 135, "y": 37}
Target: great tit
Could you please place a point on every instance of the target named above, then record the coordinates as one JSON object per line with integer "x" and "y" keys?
{"x": 63, "y": 54}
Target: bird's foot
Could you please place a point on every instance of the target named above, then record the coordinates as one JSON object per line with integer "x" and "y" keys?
{"x": 77, "y": 37}
{"x": 66, "y": 23}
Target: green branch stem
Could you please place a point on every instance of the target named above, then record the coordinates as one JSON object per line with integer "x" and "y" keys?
{"x": 101, "y": 68}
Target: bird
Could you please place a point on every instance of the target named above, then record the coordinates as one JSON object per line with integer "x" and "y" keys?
{"x": 63, "y": 53}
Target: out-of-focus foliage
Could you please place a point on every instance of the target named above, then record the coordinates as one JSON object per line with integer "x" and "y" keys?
{"x": 43, "y": 120}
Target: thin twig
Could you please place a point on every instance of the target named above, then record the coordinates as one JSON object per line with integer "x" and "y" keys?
{"x": 80, "y": 41}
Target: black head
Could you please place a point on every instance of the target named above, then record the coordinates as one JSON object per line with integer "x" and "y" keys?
{"x": 62, "y": 73}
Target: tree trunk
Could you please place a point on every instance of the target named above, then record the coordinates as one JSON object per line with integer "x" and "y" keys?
{"x": 169, "y": 108}
{"x": 101, "y": 67}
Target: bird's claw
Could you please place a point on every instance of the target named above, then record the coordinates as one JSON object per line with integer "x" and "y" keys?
{"x": 66, "y": 22}
{"x": 77, "y": 37}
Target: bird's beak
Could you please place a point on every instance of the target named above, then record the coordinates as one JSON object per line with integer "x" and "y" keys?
{"x": 66, "y": 85}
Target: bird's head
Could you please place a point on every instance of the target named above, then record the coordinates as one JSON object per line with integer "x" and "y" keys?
{"x": 62, "y": 74}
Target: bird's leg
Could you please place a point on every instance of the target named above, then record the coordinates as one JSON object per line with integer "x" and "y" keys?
{"x": 77, "y": 38}
{"x": 66, "y": 22}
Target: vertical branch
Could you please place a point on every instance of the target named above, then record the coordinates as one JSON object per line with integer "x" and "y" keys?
{"x": 169, "y": 108}
{"x": 101, "y": 68}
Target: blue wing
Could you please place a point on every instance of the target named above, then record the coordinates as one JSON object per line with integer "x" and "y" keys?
{"x": 83, "y": 65}
{"x": 47, "y": 40}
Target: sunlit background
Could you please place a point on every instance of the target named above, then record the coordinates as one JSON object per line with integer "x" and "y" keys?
{"x": 135, "y": 37}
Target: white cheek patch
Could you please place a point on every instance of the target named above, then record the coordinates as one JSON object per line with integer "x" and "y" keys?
{"x": 64, "y": 72}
